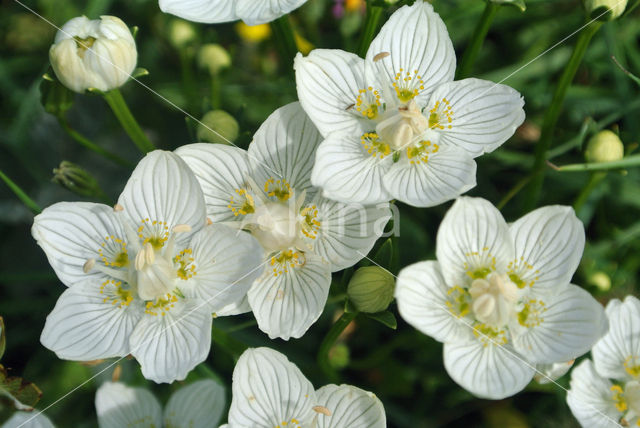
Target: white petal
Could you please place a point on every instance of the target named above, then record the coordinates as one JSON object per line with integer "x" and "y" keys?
{"x": 119, "y": 405}
{"x": 487, "y": 370}
{"x": 347, "y": 232}
{"x": 163, "y": 188}
{"x": 33, "y": 419}
{"x": 207, "y": 11}
{"x": 236, "y": 308}
{"x": 346, "y": 172}
{"x": 268, "y": 391}
{"x": 285, "y": 304}
{"x": 473, "y": 235}
{"x": 227, "y": 261}
{"x": 446, "y": 175}
{"x": 329, "y": 81}
{"x": 350, "y": 407}
{"x": 614, "y": 354}
{"x": 221, "y": 171}
{"x": 418, "y": 43}
{"x": 168, "y": 347}
{"x": 548, "y": 247}
{"x": 88, "y": 323}
{"x": 590, "y": 398}
{"x": 558, "y": 327}
{"x": 198, "y": 405}
{"x": 255, "y": 12}
{"x": 426, "y": 302}
{"x": 70, "y": 233}
{"x": 547, "y": 373}
{"x": 284, "y": 147}
{"x": 483, "y": 114}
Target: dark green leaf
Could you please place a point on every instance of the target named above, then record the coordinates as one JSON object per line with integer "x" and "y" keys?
{"x": 385, "y": 317}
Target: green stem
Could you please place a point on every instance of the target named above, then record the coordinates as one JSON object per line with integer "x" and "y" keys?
{"x": 119, "y": 106}
{"x": 234, "y": 347}
{"x": 477, "y": 40}
{"x": 632, "y": 161}
{"x": 285, "y": 39}
{"x": 188, "y": 81}
{"x": 215, "y": 91}
{"x": 594, "y": 179}
{"x": 329, "y": 340}
{"x": 84, "y": 141}
{"x": 553, "y": 112}
{"x": 30, "y": 203}
{"x": 514, "y": 191}
{"x": 372, "y": 19}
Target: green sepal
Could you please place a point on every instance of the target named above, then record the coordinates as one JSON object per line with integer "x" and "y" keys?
{"x": 516, "y": 3}
{"x": 134, "y": 31}
{"x": 386, "y": 318}
{"x": 384, "y": 255}
{"x": 54, "y": 96}
{"x": 349, "y": 307}
{"x": 16, "y": 393}
{"x": 139, "y": 72}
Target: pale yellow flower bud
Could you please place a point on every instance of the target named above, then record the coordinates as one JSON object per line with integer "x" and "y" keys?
{"x": 596, "y": 7}
{"x": 605, "y": 146}
{"x": 218, "y": 126}
{"x": 371, "y": 289}
{"x": 214, "y": 58}
{"x": 98, "y": 54}
{"x": 181, "y": 33}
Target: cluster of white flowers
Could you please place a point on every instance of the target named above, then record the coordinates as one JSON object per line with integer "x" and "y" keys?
{"x": 214, "y": 230}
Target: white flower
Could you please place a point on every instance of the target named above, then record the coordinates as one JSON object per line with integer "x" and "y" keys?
{"x": 267, "y": 190}
{"x": 197, "y": 405}
{"x": 252, "y": 12}
{"x": 33, "y": 419}
{"x": 499, "y": 296}
{"x": 145, "y": 276}
{"x": 606, "y": 393}
{"x": 396, "y": 125}
{"x": 269, "y": 391}
{"x": 98, "y": 54}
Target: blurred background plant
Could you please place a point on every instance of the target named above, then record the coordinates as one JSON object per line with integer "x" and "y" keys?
{"x": 232, "y": 76}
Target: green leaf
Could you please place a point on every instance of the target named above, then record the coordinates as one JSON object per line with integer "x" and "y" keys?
{"x": 385, "y": 317}
{"x": 516, "y": 3}
{"x": 139, "y": 72}
{"x": 384, "y": 255}
{"x": 3, "y": 339}
{"x": 17, "y": 393}
{"x": 55, "y": 97}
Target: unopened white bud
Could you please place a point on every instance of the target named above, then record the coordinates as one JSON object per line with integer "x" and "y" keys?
{"x": 98, "y": 54}
{"x": 605, "y": 10}
{"x": 605, "y": 146}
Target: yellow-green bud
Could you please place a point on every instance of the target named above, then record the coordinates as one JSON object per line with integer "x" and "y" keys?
{"x": 339, "y": 356}
{"x": 605, "y": 146}
{"x": 218, "y": 126}
{"x": 181, "y": 33}
{"x": 214, "y": 58}
{"x": 600, "y": 280}
{"x": 76, "y": 179}
{"x": 371, "y": 289}
{"x": 613, "y": 8}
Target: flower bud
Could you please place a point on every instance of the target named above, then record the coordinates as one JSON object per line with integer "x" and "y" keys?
{"x": 214, "y": 58}
{"x": 613, "y": 8}
{"x": 600, "y": 280}
{"x": 98, "y": 54}
{"x": 605, "y": 146}
{"x": 253, "y": 33}
{"x": 75, "y": 179}
{"x": 181, "y": 33}
{"x": 218, "y": 126}
{"x": 371, "y": 289}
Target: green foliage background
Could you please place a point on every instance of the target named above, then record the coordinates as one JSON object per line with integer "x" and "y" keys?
{"x": 404, "y": 368}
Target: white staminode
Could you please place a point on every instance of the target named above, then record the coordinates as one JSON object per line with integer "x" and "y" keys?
{"x": 499, "y": 296}
{"x": 606, "y": 392}
{"x": 267, "y": 191}
{"x": 269, "y": 391}
{"x": 252, "y": 12}
{"x": 197, "y": 405}
{"x": 143, "y": 277}
{"x": 99, "y": 53}
{"x": 396, "y": 125}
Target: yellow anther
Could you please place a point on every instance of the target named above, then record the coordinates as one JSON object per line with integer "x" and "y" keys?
{"x": 419, "y": 153}
{"x": 441, "y": 115}
{"x": 368, "y": 102}
{"x": 285, "y": 260}
{"x": 374, "y": 145}
{"x": 310, "y": 224}
{"x": 322, "y": 410}
{"x": 380, "y": 56}
{"x": 242, "y": 205}
{"x": 278, "y": 188}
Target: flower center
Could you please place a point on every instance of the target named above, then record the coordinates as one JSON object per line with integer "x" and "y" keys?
{"x": 441, "y": 115}
{"x": 407, "y": 85}
{"x": 275, "y": 226}
{"x": 83, "y": 44}
{"x": 493, "y": 299}
{"x": 400, "y": 127}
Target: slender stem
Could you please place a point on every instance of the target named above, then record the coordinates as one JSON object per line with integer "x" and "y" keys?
{"x": 234, "y": 347}
{"x": 188, "y": 81}
{"x": 119, "y": 106}
{"x": 30, "y": 203}
{"x": 594, "y": 179}
{"x": 84, "y": 141}
{"x": 553, "y": 112}
{"x": 285, "y": 39}
{"x": 477, "y": 40}
{"x": 372, "y": 19}
{"x": 215, "y": 91}
{"x": 331, "y": 337}
{"x": 514, "y": 191}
